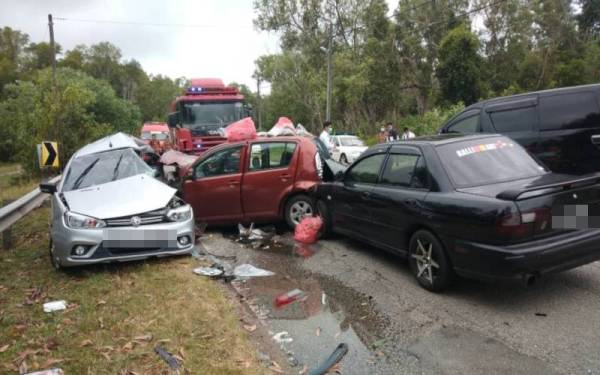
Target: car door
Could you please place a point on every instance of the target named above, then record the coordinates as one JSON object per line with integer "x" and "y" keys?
{"x": 397, "y": 198}
{"x": 335, "y": 150}
{"x": 269, "y": 177}
{"x": 214, "y": 190}
{"x": 351, "y": 198}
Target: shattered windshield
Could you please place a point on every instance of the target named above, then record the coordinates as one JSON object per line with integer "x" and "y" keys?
{"x": 204, "y": 117}
{"x": 103, "y": 167}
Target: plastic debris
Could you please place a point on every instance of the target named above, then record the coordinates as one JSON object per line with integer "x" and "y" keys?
{"x": 284, "y": 126}
{"x": 257, "y": 236}
{"x": 332, "y": 360}
{"x": 241, "y": 130}
{"x": 323, "y": 298}
{"x": 55, "y": 306}
{"x": 248, "y": 270}
{"x": 282, "y": 337}
{"x": 167, "y": 357}
{"x": 289, "y": 297}
{"x": 51, "y": 371}
{"x": 307, "y": 230}
{"x": 208, "y": 271}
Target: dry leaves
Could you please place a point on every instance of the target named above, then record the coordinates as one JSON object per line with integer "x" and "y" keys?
{"x": 4, "y": 348}
{"x": 143, "y": 338}
{"x": 275, "y": 367}
{"x": 86, "y": 342}
{"x": 318, "y": 331}
{"x": 250, "y": 328}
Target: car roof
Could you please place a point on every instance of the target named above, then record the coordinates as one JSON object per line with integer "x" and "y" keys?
{"x": 112, "y": 142}
{"x": 442, "y": 139}
{"x": 525, "y": 95}
{"x": 159, "y": 127}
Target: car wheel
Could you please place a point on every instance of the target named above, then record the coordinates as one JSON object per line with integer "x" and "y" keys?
{"x": 296, "y": 208}
{"x": 323, "y": 211}
{"x": 429, "y": 262}
{"x": 54, "y": 260}
{"x": 343, "y": 159}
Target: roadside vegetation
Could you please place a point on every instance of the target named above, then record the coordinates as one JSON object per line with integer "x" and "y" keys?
{"x": 116, "y": 314}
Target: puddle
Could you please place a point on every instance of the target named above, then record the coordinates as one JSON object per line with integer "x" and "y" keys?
{"x": 327, "y": 313}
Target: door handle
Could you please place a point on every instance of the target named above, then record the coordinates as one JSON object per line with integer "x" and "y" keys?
{"x": 233, "y": 183}
{"x": 285, "y": 177}
{"x": 365, "y": 195}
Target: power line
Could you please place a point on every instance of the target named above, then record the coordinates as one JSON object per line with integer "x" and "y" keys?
{"x": 141, "y": 23}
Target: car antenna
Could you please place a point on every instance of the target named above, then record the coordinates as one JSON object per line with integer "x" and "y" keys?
{"x": 109, "y": 142}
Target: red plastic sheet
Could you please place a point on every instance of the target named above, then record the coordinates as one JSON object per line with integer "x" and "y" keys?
{"x": 241, "y": 130}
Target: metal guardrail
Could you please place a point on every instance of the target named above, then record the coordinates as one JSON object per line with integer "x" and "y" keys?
{"x": 14, "y": 211}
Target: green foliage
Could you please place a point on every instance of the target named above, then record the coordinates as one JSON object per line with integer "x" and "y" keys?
{"x": 80, "y": 110}
{"x": 459, "y": 70}
{"x": 155, "y": 96}
{"x": 431, "y": 121}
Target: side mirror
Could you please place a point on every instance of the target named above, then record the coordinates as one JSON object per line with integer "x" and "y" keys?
{"x": 173, "y": 119}
{"x": 339, "y": 176}
{"x": 48, "y": 187}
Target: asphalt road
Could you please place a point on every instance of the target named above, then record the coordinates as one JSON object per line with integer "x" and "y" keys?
{"x": 368, "y": 298}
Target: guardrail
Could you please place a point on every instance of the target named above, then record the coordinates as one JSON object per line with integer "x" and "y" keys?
{"x": 14, "y": 211}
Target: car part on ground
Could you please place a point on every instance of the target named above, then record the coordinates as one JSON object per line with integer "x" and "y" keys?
{"x": 476, "y": 205}
{"x": 332, "y": 360}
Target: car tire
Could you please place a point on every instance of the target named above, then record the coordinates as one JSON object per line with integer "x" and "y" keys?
{"x": 53, "y": 258}
{"x": 343, "y": 159}
{"x": 297, "y": 207}
{"x": 429, "y": 262}
{"x": 323, "y": 211}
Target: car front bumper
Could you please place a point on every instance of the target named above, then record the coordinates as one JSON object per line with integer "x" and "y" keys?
{"x": 534, "y": 258}
{"x": 100, "y": 250}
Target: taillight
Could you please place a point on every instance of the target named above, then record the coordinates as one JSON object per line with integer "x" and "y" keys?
{"x": 519, "y": 225}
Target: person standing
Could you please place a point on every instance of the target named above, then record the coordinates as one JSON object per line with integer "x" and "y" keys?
{"x": 382, "y": 136}
{"x": 392, "y": 134}
{"x": 325, "y": 135}
{"x": 407, "y": 134}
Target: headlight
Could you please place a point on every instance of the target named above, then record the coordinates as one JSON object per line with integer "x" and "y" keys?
{"x": 78, "y": 221}
{"x": 182, "y": 213}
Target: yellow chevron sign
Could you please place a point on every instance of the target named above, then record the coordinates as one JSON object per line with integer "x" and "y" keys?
{"x": 48, "y": 153}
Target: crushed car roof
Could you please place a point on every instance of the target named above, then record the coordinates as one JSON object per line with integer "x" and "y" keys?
{"x": 112, "y": 142}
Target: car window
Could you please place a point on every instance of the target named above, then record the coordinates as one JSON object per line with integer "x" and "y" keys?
{"x": 366, "y": 171}
{"x": 514, "y": 120}
{"x": 465, "y": 126}
{"x": 271, "y": 155}
{"x": 487, "y": 161}
{"x": 104, "y": 167}
{"x": 223, "y": 162}
{"x": 569, "y": 111}
{"x": 405, "y": 170}
{"x": 351, "y": 141}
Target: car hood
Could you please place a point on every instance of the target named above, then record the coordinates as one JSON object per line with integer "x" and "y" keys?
{"x": 129, "y": 196}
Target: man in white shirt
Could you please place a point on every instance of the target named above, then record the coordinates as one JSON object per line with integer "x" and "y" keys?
{"x": 407, "y": 134}
{"x": 325, "y": 136}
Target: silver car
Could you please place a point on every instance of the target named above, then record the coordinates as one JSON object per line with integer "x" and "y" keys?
{"x": 109, "y": 207}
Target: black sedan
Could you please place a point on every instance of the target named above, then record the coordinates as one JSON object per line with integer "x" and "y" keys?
{"x": 478, "y": 206}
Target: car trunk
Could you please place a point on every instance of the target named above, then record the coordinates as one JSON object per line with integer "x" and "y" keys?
{"x": 546, "y": 204}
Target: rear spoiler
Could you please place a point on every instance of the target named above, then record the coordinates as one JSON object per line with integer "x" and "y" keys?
{"x": 534, "y": 191}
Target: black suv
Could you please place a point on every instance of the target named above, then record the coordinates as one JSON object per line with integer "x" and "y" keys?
{"x": 561, "y": 127}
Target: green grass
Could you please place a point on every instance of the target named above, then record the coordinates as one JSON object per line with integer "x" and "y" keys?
{"x": 109, "y": 307}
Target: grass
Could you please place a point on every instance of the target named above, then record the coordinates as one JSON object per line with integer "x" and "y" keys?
{"x": 117, "y": 314}
{"x": 13, "y": 184}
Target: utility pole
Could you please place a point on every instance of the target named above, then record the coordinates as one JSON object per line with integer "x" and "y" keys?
{"x": 329, "y": 75}
{"x": 258, "y": 102}
{"x": 52, "y": 49}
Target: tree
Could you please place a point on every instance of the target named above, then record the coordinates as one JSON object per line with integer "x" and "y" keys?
{"x": 459, "y": 70}
{"x": 83, "y": 109}
{"x": 12, "y": 44}
{"x": 39, "y": 56}
{"x": 155, "y": 96}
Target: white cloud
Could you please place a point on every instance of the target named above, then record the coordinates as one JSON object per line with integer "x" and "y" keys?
{"x": 225, "y": 47}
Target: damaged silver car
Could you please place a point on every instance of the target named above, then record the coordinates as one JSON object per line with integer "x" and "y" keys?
{"x": 109, "y": 207}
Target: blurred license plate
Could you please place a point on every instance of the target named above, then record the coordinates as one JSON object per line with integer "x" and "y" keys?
{"x": 151, "y": 238}
{"x": 576, "y": 216}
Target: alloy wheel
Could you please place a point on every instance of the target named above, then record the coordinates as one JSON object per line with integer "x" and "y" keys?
{"x": 300, "y": 209}
{"x": 427, "y": 266}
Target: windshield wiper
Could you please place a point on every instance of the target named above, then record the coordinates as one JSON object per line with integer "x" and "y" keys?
{"x": 79, "y": 179}
{"x": 116, "y": 170}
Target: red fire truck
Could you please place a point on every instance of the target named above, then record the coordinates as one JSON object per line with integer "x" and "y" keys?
{"x": 197, "y": 116}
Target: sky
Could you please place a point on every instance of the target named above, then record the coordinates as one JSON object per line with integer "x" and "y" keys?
{"x": 225, "y": 45}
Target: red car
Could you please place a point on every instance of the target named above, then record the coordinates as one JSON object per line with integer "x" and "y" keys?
{"x": 259, "y": 180}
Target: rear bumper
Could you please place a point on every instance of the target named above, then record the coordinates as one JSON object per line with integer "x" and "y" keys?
{"x": 549, "y": 255}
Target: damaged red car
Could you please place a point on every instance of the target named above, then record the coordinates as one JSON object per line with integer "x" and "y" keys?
{"x": 258, "y": 180}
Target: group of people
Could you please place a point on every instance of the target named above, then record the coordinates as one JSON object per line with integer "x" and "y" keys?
{"x": 389, "y": 134}
{"x": 386, "y": 134}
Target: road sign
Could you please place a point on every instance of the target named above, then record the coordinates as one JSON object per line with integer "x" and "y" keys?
{"x": 48, "y": 154}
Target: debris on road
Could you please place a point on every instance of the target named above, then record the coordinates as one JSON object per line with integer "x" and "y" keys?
{"x": 256, "y": 236}
{"x": 52, "y": 371}
{"x": 282, "y": 337}
{"x": 248, "y": 270}
{"x": 208, "y": 271}
{"x": 334, "y": 358}
{"x": 167, "y": 357}
{"x": 55, "y": 306}
{"x": 307, "y": 230}
{"x": 289, "y": 297}
{"x": 541, "y": 314}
